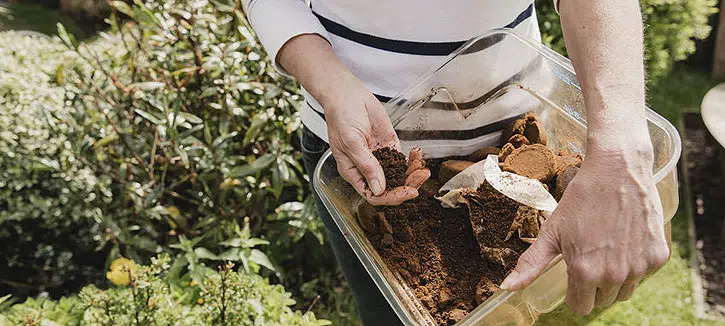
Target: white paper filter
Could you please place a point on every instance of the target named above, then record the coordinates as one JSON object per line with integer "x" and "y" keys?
{"x": 529, "y": 192}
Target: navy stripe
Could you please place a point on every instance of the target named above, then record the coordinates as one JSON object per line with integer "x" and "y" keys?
{"x": 444, "y": 134}
{"x": 406, "y": 47}
{"x": 382, "y": 99}
{"x": 322, "y": 115}
{"x": 455, "y": 134}
{"x": 522, "y": 16}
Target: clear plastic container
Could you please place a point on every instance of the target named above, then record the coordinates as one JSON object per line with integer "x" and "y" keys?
{"x": 492, "y": 78}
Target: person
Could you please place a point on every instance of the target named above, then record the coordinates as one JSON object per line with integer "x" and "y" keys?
{"x": 350, "y": 56}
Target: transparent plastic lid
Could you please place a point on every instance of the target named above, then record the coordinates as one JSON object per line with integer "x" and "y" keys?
{"x": 462, "y": 106}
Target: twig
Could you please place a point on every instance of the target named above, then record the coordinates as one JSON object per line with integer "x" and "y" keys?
{"x": 314, "y": 302}
{"x": 153, "y": 149}
{"x": 125, "y": 143}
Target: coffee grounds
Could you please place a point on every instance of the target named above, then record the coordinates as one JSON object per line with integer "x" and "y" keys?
{"x": 492, "y": 214}
{"x": 532, "y": 161}
{"x": 435, "y": 251}
{"x": 394, "y": 166}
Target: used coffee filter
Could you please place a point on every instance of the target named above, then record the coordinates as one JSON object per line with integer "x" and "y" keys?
{"x": 529, "y": 192}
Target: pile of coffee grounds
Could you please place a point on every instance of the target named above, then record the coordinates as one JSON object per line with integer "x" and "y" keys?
{"x": 435, "y": 251}
{"x": 440, "y": 261}
{"x": 394, "y": 166}
{"x": 445, "y": 255}
{"x": 491, "y": 217}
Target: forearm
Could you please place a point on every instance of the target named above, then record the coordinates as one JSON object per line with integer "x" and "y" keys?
{"x": 312, "y": 61}
{"x": 605, "y": 42}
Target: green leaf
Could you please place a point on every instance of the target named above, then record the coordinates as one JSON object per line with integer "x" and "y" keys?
{"x": 67, "y": 39}
{"x": 140, "y": 4}
{"x": 261, "y": 259}
{"x": 184, "y": 156}
{"x": 207, "y": 134}
{"x": 123, "y": 7}
{"x": 204, "y": 253}
{"x": 231, "y": 255}
{"x": 105, "y": 141}
{"x": 253, "y": 242}
{"x": 254, "y": 167}
{"x": 5, "y": 298}
{"x": 236, "y": 242}
{"x": 191, "y": 131}
{"x": 254, "y": 128}
{"x": 150, "y": 117}
{"x": 147, "y": 86}
{"x": 190, "y": 117}
{"x": 222, "y": 139}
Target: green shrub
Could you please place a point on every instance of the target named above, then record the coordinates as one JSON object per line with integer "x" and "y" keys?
{"x": 152, "y": 297}
{"x": 188, "y": 132}
{"x": 671, "y": 29}
{"x": 196, "y": 132}
{"x": 46, "y": 194}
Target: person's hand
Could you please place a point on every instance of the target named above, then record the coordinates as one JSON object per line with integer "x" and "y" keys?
{"x": 609, "y": 229}
{"x": 357, "y": 125}
{"x": 356, "y": 121}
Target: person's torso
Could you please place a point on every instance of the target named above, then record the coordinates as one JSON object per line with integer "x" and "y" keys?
{"x": 391, "y": 44}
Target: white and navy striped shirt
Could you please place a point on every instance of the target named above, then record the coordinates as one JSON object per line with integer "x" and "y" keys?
{"x": 387, "y": 44}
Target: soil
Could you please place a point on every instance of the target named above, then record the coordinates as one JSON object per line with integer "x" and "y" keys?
{"x": 705, "y": 172}
{"x": 436, "y": 253}
{"x": 453, "y": 259}
{"x": 394, "y": 166}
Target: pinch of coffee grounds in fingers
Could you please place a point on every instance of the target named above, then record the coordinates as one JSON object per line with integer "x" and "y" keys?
{"x": 394, "y": 166}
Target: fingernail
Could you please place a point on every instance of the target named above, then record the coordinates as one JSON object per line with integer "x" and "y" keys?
{"x": 510, "y": 281}
{"x": 375, "y": 187}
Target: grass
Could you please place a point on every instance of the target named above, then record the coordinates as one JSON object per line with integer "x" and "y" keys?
{"x": 32, "y": 17}
{"x": 665, "y": 298}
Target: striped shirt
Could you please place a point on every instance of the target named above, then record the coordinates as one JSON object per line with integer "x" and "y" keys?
{"x": 387, "y": 44}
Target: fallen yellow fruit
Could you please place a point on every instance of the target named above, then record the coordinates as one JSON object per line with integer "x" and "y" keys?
{"x": 121, "y": 271}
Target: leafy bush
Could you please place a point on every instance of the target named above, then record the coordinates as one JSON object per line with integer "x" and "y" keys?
{"x": 189, "y": 125}
{"x": 189, "y": 132}
{"x": 671, "y": 28}
{"x": 151, "y": 297}
{"x": 46, "y": 194}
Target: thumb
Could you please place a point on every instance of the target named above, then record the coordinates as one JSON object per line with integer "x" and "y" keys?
{"x": 532, "y": 262}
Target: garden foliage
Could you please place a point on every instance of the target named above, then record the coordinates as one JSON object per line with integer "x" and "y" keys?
{"x": 671, "y": 29}
{"x": 190, "y": 139}
{"x": 150, "y": 297}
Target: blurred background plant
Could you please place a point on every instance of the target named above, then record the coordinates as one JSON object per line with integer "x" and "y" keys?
{"x": 148, "y": 296}
{"x": 190, "y": 139}
{"x": 672, "y": 28}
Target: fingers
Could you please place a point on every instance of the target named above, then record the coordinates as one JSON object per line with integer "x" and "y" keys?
{"x": 416, "y": 155}
{"x": 580, "y": 295}
{"x": 362, "y": 158}
{"x": 381, "y": 125}
{"x": 531, "y": 263}
{"x": 627, "y": 290}
{"x": 350, "y": 173}
{"x": 415, "y": 165}
{"x": 607, "y": 295}
{"x": 393, "y": 197}
{"x": 417, "y": 178}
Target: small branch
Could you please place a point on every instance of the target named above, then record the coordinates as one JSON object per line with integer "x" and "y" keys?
{"x": 153, "y": 150}
{"x": 125, "y": 143}
{"x": 314, "y": 302}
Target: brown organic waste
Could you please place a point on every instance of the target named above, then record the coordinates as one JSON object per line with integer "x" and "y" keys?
{"x": 454, "y": 259}
{"x": 394, "y": 166}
